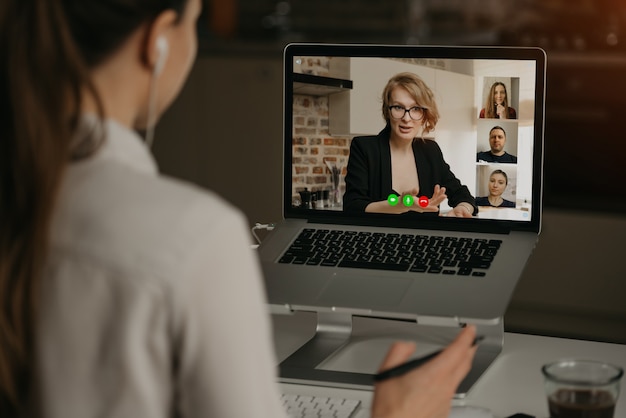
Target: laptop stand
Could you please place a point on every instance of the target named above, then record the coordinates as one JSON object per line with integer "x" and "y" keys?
{"x": 346, "y": 349}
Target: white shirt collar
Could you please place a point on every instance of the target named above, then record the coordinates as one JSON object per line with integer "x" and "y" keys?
{"x": 121, "y": 144}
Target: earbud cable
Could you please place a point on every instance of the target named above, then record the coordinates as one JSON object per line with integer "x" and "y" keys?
{"x": 152, "y": 94}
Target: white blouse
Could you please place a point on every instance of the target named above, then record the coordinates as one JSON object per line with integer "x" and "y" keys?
{"x": 152, "y": 302}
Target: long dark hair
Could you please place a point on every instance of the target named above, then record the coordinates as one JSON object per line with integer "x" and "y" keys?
{"x": 47, "y": 49}
{"x": 490, "y": 108}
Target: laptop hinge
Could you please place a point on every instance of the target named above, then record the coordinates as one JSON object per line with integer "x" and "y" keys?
{"x": 438, "y": 321}
{"x": 284, "y": 309}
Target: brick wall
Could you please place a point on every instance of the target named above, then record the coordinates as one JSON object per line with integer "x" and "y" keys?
{"x": 313, "y": 145}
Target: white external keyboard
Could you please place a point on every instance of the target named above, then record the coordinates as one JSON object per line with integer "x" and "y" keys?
{"x": 302, "y": 406}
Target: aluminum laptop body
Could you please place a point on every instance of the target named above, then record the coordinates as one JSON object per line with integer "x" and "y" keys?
{"x": 343, "y": 84}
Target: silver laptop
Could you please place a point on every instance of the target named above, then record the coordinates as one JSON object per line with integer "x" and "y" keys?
{"x": 330, "y": 255}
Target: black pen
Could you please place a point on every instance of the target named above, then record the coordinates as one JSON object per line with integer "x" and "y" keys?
{"x": 412, "y": 364}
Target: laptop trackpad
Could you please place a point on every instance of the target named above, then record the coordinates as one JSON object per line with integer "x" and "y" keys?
{"x": 364, "y": 292}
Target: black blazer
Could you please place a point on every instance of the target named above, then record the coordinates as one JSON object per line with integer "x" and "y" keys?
{"x": 369, "y": 172}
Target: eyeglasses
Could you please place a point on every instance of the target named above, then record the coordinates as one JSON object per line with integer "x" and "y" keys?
{"x": 398, "y": 112}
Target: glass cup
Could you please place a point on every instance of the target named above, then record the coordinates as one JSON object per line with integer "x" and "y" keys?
{"x": 581, "y": 388}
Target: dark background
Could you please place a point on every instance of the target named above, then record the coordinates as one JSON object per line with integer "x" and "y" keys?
{"x": 585, "y": 41}
{"x": 225, "y": 130}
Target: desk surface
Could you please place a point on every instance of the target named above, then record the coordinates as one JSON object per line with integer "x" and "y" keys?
{"x": 513, "y": 383}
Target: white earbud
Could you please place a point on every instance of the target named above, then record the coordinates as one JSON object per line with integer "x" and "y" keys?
{"x": 162, "y": 50}
{"x": 162, "y": 47}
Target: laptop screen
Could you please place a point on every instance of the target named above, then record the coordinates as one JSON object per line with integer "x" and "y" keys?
{"x": 414, "y": 136}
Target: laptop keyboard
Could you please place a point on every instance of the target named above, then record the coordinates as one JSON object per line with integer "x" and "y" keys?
{"x": 300, "y": 406}
{"x": 390, "y": 251}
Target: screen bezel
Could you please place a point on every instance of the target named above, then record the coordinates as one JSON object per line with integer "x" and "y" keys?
{"x": 409, "y": 51}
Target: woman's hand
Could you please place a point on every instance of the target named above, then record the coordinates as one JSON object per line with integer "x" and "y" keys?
{"x": 383, "y": 206}
{"x": 439, "y": 195}
{"x": 461, "y": 211}
{"x": 501, "y": 111}
{"x": 427, "y": 391}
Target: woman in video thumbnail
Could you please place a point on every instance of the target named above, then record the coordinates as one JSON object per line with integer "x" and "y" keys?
{"x": 400, "y": 161}
{"x": 497, "y": 103}
{"x": 498, "y": 180}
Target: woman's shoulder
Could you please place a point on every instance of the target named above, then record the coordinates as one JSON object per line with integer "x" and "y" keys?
{"x": 369, "y": 143}
{"x": 132, "y": 216}
{"x": 186, "y": 207}
{"x": 482, "y": 201}
{"x": 507, "y": 204}
{"x": 426, "y": 145}
{"x": 364, "y": 139}
{"x": 370, "y": 139}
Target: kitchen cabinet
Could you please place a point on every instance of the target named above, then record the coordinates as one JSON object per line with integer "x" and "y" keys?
{"x": 314, "y": 85}
{"x": 359, "y": 111}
